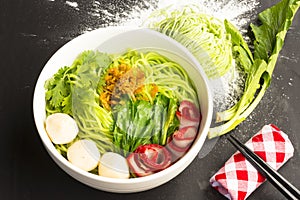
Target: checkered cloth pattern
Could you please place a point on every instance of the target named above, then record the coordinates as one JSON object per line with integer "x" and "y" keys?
{"x": 237, "y": 179}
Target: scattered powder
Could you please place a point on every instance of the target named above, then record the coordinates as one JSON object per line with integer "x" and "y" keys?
{"x": 72, "y": 4}
{"x": 117, "y": 13}
{"x": 292, "y": 57}
{"x": 227, "y": 89}
{"x": 28, "y": 34}
{"x": 280, "y": 78}
{"x": 291, "y": 82}
{"x": 238, "y": 12}
{"x": 136, "y": 12}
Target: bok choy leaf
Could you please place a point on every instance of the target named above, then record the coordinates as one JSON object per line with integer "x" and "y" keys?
{"x": 259, "y": 65}
{"x": 140, "y": 122}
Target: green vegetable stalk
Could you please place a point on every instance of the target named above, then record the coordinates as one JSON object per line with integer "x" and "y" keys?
{"x": 259, "y": 65}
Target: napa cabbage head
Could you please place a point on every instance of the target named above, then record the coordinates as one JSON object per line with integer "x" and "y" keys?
{"x": 203, "y": 35}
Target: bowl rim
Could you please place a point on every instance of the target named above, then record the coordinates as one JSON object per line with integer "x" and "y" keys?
{"x": 174, "y": 168}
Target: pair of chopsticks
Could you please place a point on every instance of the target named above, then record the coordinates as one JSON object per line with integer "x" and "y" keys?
{"x": 285, "y": 187}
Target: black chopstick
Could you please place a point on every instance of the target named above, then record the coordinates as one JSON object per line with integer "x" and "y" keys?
{"x": 286, "y": 188}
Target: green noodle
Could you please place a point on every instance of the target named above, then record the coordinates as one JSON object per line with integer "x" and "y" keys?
{"x": 171, "y": 79}
{"x": 204, "y": 35}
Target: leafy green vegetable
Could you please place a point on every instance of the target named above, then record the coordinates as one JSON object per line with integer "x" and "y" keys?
{"x": 204, "y": 35}
{"x": 72, "y": 90}
{"x": 58, "y": 94}
{"x": 259, "y": 66}
{"x": 58, "y": 87}
{"x": 139, "y": 122}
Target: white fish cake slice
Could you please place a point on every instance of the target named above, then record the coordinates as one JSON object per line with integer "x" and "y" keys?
{"x": 61, "y": 128}
{"x": 113, "y": 165}
{"x": 84, "y": 154}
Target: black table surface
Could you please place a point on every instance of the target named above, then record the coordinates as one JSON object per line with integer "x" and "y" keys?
{"x": 31, "y": 31}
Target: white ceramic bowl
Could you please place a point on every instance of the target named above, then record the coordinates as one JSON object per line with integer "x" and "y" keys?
{"x": 117, "y": 40}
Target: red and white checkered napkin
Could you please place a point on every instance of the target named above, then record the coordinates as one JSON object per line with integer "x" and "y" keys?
{"x": 237, "y": 179}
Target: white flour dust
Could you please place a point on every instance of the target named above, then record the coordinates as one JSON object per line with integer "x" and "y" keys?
{"x": 135, "y": 12}
{"x": 227, "y": 89}
{"x": 72, "y": 4}
{"x": 116, "y": 13}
